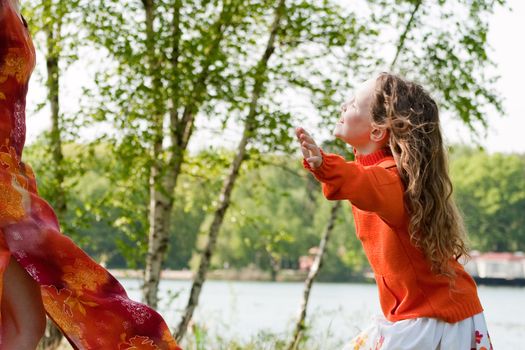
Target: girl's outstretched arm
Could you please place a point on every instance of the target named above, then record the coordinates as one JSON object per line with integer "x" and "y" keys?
{"x": 369, "y": 188}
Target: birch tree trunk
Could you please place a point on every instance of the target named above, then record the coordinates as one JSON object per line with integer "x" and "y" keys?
{"x": 228, "y": 185}
{"x": 312, "y": 274}
{"x": 158, "y": 198}
{"x": 402, "y": 38}
{"x": 60, "y": 201}
{"x": 164, "y": 174}
{"x": 314, "y": 271}
{"x": 52, "y": 336}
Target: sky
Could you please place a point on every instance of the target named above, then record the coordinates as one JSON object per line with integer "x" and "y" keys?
{"x": 505, "y": 133}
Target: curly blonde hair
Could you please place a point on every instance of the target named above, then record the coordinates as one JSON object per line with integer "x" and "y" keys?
{"x": 411, "y": 116}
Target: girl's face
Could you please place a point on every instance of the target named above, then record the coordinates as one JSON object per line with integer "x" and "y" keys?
{"x": 355, "y": 125}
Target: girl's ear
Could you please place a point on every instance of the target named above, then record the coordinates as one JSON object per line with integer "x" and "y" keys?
{"x": 379, "y": 134}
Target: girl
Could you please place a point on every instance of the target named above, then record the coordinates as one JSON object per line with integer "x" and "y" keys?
{"x": 41, "y": 269}
{"x": 405, "y": 217}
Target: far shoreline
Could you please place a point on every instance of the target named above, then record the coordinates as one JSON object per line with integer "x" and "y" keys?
{"x": 246, "y": 274}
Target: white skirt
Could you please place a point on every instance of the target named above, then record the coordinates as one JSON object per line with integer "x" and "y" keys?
{"x": 424, "y": 334}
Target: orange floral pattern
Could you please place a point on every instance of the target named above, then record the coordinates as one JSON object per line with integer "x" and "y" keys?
{"x": 82, "y": 275}
{"x": 59, "y": 309}
{"x": 11, "y": 206}
{"x": 87, "y": 303}
{"x": 15, "y": 66}
{"x": 138, "y": 343}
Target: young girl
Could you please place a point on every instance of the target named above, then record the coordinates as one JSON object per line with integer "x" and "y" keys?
{"x": 405, "y": 217}
{"x": 40, "y": 268}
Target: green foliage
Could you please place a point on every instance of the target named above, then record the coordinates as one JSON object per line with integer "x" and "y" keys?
{"x": 490, "y": 190}
{"x": 261, "y": 341}
{"x": 277, "y": 215}
{"x": 201, "y": 338}
{"x": 39, "y": 157}
{"x": 206, "y": 64}
{"x": 100, "y": 217}
{"x": 199, "y": 185}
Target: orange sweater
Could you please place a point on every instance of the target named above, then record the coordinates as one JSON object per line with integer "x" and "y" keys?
{"x": 407, "y": 287}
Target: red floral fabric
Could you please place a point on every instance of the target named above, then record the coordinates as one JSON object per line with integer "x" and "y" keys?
{"x": 86, "y": 302}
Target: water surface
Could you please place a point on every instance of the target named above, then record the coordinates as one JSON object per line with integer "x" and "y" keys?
{"x": 336, "y": 312}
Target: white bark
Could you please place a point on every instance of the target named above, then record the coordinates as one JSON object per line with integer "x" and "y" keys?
{"x": 312, "y": 274}
{"x": 224, "y": 198}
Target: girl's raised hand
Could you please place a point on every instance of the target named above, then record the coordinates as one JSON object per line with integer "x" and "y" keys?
{"x": 311, "y": 151}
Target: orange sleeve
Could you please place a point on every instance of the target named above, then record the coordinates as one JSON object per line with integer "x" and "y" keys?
{"x": 369, "y": 188}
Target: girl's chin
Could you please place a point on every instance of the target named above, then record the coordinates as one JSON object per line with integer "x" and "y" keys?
{"x": 341, "y": 137}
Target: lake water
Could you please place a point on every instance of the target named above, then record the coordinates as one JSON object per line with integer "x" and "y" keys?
{"x": 336, "y": 312}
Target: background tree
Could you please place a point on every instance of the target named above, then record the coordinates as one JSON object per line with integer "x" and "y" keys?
{"x": 490, "y": 190}
{"x": 49, "y": 22}
{"x": 264, "y": 127}
{"x": 156, "y": 101}
{"x": 171, "y": 68}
